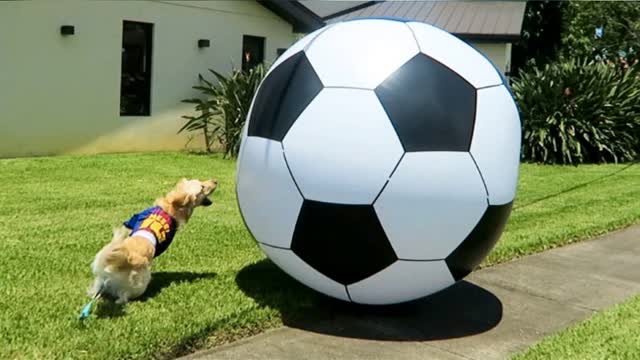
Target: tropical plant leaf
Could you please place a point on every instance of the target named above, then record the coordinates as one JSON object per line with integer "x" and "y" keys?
{"x": 223, "y": 110}
{"x": 576, "y": 111}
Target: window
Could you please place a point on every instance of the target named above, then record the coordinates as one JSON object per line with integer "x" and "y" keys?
{"x": 135, "y": 77}
{"x": 252, "y": 51}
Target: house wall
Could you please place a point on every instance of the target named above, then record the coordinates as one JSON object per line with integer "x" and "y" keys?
{"x": 61, "y": 94}
{"x": 498, "y": 52}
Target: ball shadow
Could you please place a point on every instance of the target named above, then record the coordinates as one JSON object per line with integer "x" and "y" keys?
{"x": 461, "y": 310}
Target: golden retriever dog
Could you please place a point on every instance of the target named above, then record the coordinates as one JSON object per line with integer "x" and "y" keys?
{"x": 122, "y": 269}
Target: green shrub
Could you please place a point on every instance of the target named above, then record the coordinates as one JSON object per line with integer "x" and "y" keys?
{"x": 208, "y": 120}
{"x": 576, "y": 111}
{"x": 223, "y": 110}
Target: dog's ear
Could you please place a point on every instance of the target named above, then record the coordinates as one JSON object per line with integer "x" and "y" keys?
{"x": 181, "y": 199}
{"x": 189, "y": 200}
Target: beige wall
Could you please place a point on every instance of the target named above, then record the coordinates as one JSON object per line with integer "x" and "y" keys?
{"x": 499, "y": 53}
{"x": 61, "y": 95}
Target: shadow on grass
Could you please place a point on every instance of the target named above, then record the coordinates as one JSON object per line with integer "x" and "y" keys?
{"x": 463, "y": 309}
{"x": 163, "y": 279}
{"x": 107, "y": 308}
{"x": 572, "y": 188}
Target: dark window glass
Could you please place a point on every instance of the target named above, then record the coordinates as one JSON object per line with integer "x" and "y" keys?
{"x": 252, "y": 51}
{"x": 135, "y": 77}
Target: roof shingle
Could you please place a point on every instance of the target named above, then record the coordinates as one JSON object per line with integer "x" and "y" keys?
{"x": 467, "y": 19}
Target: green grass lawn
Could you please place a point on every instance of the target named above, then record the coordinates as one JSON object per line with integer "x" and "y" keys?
{"x": 611, "y": 334}
{"x": 213, "y": 285}
{"x": 557, "y": 205}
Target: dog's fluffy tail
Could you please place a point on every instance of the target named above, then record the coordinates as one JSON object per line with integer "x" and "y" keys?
{"x": 120, "y": 257}
{"x": 119, "y": 234}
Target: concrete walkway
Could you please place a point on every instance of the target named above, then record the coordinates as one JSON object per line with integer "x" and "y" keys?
{"x": 500, "y": 310}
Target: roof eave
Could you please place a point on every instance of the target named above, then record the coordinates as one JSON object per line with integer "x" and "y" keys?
{"x": 509, "y": 38}
{"x": 302, "y": 19}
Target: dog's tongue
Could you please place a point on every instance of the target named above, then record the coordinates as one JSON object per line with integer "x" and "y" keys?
{"x": 206, "y": 202}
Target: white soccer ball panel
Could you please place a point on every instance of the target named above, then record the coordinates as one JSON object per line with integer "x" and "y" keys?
{"x": 402, "y": 281}
{"x": 456, "y": 55}
{"x": 299, "y": 270}
{"x": 361, "y": 53}
{"x": 342, "y": 148}
{"x": 432, "y": 202}
{"x": 267, "y": 195}
{"x": 243, "y": 138}
{"x": 496, "y": 143}
{"x": 299, "y": 45}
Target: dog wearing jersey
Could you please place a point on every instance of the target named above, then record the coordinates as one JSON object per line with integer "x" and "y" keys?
{"x": 122, "y": 268}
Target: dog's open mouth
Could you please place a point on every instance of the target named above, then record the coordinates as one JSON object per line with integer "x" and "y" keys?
{"x": 206, "y": 202}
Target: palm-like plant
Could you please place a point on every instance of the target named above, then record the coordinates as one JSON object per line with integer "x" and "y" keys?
{"x": 224, "y": 108}
{"x": 208, "y": 119}
{"x": 577, "y": 111}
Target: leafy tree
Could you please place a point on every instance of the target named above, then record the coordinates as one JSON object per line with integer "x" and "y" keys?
{"x": 541, "y": 34}
{"x": 607, "y": 31}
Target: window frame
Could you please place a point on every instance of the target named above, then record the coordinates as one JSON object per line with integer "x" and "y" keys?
{"x": 149, "y": 33}
{"x": 263, "y": 41}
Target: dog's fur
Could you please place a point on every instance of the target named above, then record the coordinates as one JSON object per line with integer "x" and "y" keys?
{"x": 122, "y": 269}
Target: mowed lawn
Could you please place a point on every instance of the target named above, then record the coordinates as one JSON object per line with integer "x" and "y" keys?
{"x": 213, "y": 285}
{"x": 610, "y": 334}
{"x": 557, "y": 205}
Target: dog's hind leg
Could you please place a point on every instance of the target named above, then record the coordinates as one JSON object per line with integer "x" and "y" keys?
{"x": 123, "y": 298}
{"x": 97, "y": 285}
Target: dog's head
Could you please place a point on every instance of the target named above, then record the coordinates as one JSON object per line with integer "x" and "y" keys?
{"x": 189, "y": 194}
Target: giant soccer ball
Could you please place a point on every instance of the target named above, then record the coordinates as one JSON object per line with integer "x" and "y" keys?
{"x": 379, "y": 161}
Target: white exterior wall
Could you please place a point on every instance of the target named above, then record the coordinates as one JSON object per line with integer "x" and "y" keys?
{"x": 499, "y": 53}
{"x": 61, "y": 94}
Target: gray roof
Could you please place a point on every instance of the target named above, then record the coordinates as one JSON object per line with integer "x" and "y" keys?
{"x": 326, "y": 8}
{"x": 474, "y": 20}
